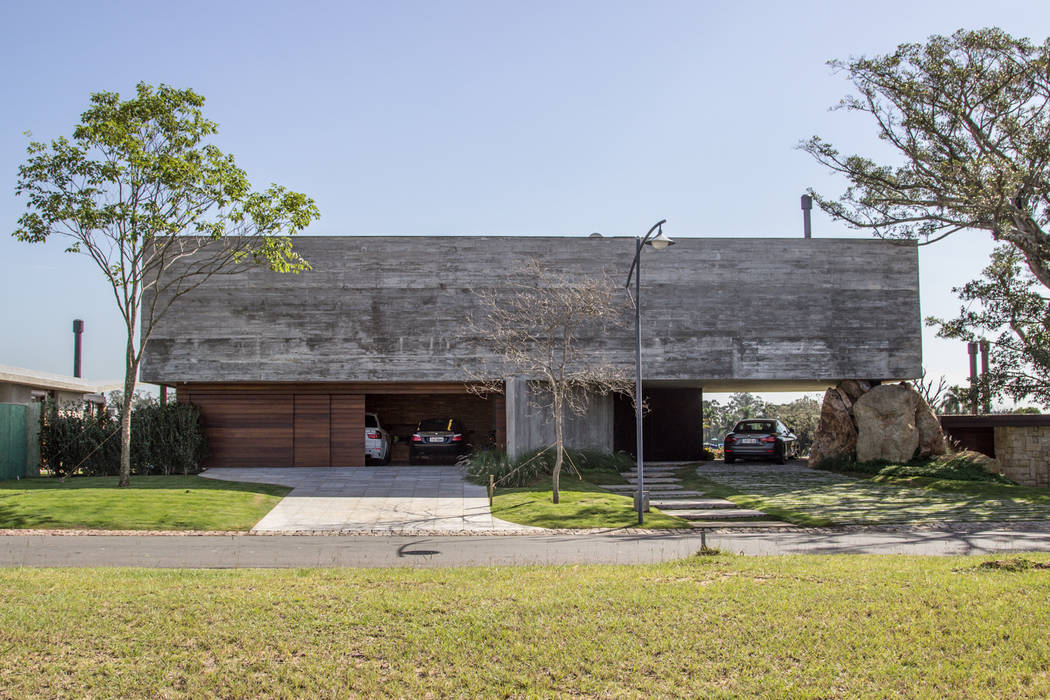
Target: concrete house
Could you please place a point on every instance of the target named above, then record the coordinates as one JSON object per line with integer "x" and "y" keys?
{"x": 284, "y": 367}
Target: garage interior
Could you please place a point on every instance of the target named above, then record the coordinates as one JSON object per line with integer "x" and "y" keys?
{"x": 399, "y": 414}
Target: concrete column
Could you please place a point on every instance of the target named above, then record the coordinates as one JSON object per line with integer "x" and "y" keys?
{"x": 517, "y": 395}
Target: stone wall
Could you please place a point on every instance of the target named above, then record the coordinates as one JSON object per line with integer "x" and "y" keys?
{"x": 1024, "y": 453}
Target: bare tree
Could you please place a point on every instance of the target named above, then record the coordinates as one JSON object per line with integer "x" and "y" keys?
{"x": 541, "y": 327}
{"x": 932, "y": 394}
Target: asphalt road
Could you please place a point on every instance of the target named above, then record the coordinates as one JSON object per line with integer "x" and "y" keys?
{"x": 219, "y": 551}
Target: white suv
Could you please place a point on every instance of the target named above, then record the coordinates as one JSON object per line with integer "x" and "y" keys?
{"x": 377, "y": 441}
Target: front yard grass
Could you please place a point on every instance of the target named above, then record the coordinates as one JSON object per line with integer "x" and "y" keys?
{"x": 149, "y": 503}
{"x": 583, "y": 504}
{"x": 714, "y": 626}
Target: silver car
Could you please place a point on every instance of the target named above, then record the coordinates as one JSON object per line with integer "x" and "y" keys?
{"x": 760, "y": 438}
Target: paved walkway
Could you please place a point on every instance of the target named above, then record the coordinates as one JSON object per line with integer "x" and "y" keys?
{"x": 371, "y": 499}
{"x": 846, "y": 500}
{"x": 251, "y": 551}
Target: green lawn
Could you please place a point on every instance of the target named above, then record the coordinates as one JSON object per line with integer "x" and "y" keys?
{"x": 813, "y": 497}
{"x": 582, "y": 505}
{"x": 150, "y": 503}
{"x": 804, "y": 626}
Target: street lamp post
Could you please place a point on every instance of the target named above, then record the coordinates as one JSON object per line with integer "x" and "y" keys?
{"x": 659, "y": 242}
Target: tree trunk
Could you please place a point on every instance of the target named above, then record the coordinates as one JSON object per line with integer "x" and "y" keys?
{"x": 131, "y": 371}
{"x": 559, "y": 448}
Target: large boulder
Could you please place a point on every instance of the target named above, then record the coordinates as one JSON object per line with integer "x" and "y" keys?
{"x": 854, "y": 388}
{"x": 836, "y": 436}
{"x": 931, "y": 436}
{"x": 886, "y": 428}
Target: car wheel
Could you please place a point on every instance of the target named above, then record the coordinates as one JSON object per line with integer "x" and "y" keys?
{"x": 781, "y": 457}
{"x": 386, "y": 457}
{"x": 730, "y": 460}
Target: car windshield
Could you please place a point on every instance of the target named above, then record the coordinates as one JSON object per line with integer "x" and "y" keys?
{"x": 370, "y": 421}
{"x": 755, "y": 426}
{"x": 435, "y": 424}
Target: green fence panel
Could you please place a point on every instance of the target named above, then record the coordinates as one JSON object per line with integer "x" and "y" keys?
{"x": 12, "y": 441}
{"x": 33, "y": 411}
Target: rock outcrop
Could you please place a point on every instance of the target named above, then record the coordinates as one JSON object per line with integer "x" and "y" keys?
{"x": 886, "y": 428}
{"x": 836, "y": 438}
{"x": 863, "y": 423}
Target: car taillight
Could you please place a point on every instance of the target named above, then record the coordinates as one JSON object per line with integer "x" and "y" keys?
{"x": 769, "y": 438}
{"x": 373, "y": 434}
{"x": 457, "y": 438}
{"x": 730, "y": 440}
{"x": 416, "y": 437}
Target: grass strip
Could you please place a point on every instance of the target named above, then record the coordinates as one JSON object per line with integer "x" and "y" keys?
{"x": 713, "y": 627}
{"x": 149, "y": 503}
{"x": 582, "y": 504}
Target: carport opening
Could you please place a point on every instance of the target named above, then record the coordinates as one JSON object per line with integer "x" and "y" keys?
{"x": 484, "y": 419}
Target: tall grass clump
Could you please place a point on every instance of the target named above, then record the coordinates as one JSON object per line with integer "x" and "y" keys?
{"x": 537, "y": 464}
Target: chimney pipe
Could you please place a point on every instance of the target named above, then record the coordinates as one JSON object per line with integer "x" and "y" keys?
{"x": 78, "y": 330}
{"x": 986, "y": 394}
{"x": 972, "y": 349}
{"x": 807, "y": 205}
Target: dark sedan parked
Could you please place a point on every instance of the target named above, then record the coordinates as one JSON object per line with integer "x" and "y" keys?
{"x": 438, "y": 438}
{"x": 760, "y": 438}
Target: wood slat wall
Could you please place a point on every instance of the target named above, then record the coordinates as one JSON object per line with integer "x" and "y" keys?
{"x": 347, "y": 430}
{"x": 247, "y": 431}
{"x": 312, "y": 430}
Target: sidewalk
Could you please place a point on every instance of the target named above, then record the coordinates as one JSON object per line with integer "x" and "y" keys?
{"x": 251, "y": 551}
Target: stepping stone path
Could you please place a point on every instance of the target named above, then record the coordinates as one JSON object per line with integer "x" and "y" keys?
{"x": 666, "y": 494}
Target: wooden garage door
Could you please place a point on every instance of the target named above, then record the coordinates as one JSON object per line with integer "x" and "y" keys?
{"x": 312, "y": 427}
{"x": 348, "y": 430}
{"x": 248, "y": 431}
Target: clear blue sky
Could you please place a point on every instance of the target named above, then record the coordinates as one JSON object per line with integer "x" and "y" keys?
{"x": 517, "y": 118}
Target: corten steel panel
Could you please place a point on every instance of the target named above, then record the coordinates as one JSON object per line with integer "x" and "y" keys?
{"x": 246, "y": 431}
{"x": 395, "y": 309}
{"x": 312, "y": 430}
{"x": 347, "y": 430}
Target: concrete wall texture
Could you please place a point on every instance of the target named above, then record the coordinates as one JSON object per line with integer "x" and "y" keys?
{"x": 1024, "y": 453}
{"x": 530, "y": 425}
{"x": 802, "y": 312}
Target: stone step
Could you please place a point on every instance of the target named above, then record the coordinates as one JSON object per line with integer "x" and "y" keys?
{"x": 690, "y": 503}
{"x": 715, "y": 513}
{"x": 655, "y": 480}
{"x": 649, "y": 472}
{"x": 633, "y": 488}
{"x": 710, "y": 524}
{"x": 654, "y": 494}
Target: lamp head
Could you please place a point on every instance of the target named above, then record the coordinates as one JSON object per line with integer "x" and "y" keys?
{"x": 660, "y": 241}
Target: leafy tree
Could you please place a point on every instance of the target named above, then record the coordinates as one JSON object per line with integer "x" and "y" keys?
{"x": 157, "y": 209}
{"x": 1008, "y": 304}
{"x": 802, "y": 416}
{"x": 969, "y": 117}
{"x": 536, "y": 329}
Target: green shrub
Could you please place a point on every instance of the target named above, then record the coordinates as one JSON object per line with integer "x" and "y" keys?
{"x": 962, "y": 466}
{"x": 538, "y": 464}
{"x": 86, "y": 441}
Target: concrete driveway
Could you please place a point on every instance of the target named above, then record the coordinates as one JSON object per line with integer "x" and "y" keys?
{"x": 369, "y": 499}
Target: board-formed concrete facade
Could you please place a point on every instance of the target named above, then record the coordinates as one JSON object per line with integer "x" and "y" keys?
{"x": 718, "y": 313}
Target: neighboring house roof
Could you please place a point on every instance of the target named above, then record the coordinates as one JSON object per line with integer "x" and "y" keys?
{"x": 54, "y": 382}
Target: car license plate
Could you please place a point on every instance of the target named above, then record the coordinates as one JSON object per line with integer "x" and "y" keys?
{"x": 437, "y": 439}
{"x": 749, "y": 441}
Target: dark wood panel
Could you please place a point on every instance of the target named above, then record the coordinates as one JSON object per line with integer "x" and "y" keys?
{"x": 312, "y": 428}
{"x": 246, "y": 431}
{"x": 347, "y": 430}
